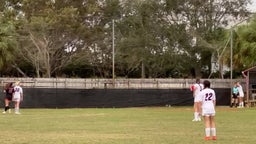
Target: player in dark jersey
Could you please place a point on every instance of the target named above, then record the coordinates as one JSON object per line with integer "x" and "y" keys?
{"x": 8, "y": 96}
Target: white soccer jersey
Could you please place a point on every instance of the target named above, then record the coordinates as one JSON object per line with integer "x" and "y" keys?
{"x": 17, "y": 93}
{"x": 197, "y": 88}
{"x": 240, "y": 90}
{"x": 207, "y": 97}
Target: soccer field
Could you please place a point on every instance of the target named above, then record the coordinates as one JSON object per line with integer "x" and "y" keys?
{"x": 157, "y": 125}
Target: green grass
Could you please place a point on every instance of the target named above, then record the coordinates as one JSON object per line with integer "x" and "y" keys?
{"x": 161, "y": 125}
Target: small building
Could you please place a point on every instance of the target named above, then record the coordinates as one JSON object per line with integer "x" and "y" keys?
{"x": 250, "y": 90}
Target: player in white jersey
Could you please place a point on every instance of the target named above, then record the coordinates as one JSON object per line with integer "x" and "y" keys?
{"x": 196, "y": 88}
{"x": 241, "y": 95}
{"x": 17, "y": 96}
{"x": 207, "y": 101}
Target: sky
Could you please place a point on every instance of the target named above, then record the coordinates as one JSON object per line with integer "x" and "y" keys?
{"x": 252, "y": 7}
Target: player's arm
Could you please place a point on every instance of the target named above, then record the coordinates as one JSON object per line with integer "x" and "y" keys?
{"x": 214, "y": 99}
{"x": 194, "y": 90}
{"x": 21, "y": 96}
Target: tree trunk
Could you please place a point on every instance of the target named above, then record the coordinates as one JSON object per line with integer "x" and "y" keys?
{"x": 19, "y": 70}
{"x": 142, "y": 70}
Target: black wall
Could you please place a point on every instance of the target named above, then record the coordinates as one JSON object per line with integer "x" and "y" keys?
{"x": 88, "y": 98}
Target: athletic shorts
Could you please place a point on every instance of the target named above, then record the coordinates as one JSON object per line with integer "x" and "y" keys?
{"x": 208, "y": 112}
{"x": 241, "y": 96}
{"x": 16, "y": 99}
{"x": 9, "y": 97}
{"x": 235, "y": 96}
{"x": 196, "y": 99}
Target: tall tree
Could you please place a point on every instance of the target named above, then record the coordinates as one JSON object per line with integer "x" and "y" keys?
{"x": 245, "y": 46}
{"x": 203, "y": 19}
{"x": 144, "y": 44}
{"x": 8, "y": 37}
{"x": 167, "y": 38}
{"x": 53, "y": 33}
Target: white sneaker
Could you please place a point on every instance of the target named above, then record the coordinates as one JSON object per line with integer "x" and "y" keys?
{"x": 9, "y": 111}
{"x": 194, "y": 120}
{"x": 4, "y": 112}
{"x": 17, "y": 113}
{"x": 199, "y": 119}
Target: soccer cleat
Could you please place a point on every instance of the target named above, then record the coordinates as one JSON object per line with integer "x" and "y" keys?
{"x": 206, "y": 138}
{"x": 9, "y": 111}
{"x": 214, "y": 138}
{"x": 4, "y": 112}
{"x": 194, "y": 120}
{"x": 17, "y": 113}
{"x": 199, "y": 119}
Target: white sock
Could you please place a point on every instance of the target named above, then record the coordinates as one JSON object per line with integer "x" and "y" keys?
{"x": 213, "y": 131}
{"x": 207, "y": 132}
{"x": 16, "y": 109}
{"x": 195, "y": 115}
{"x": 242, "y": 104}
{"x": 198, "y": 116}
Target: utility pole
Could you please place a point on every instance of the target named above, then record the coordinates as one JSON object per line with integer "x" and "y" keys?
{"x": 231, "y": 61}
{"x": 113, "y": 52}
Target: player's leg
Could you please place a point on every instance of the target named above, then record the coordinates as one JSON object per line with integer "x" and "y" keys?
{"x": 6, "y": 102}
{"x": 213, "y": 127}
{"x": 232, "y": 101}
{"x": 236, "y": 101}
{"x": 198, "y": 114}
{"x": 207, "y": 127}
{"x": 241, "y": 102}
{"x": 196, "y": 111}
{"x": 9, "y": 109}
{"x": 17, "y": 107}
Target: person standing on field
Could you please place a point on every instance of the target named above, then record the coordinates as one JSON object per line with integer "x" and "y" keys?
{"x": 8, "y": 90}
{"x": 17, "y": 97}
{"x": 235, "y": 94}
{"x": 240, "y": 95}
{"x": 207, "y": 103}
{"x": 196, "y": 88}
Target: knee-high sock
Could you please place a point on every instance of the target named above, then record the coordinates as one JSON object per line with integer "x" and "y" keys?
{"x": 213, "y": 131}
{"x": 207, "y": 132}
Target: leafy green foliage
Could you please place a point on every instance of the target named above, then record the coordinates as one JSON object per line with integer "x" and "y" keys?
{"x": 152, "y": 38}
{"x": 8, "y": 39}
{"x": 245, "y": 49}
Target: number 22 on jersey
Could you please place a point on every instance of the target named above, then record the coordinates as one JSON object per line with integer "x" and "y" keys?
{"x": 208, "y": 96}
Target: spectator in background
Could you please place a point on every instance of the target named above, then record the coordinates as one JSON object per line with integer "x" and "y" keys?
{"x": 8, "y": 90}
{"x": 196, "y": 88}
{"x": 17, "y": 96}
{"x": 235, "y": 94}
{"x": 241, "y": 95}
